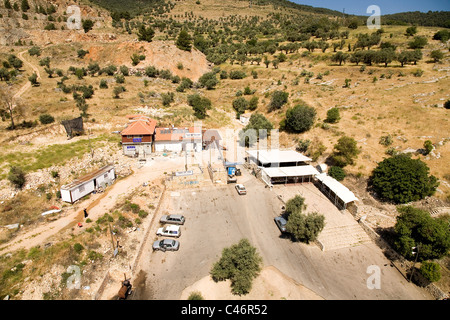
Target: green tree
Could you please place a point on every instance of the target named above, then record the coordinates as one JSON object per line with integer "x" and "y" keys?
{"x": 200, "y": 105}
{"x": 295, "y": 204}
{"x": 436, "y": 55}
{"x": 87, "y": 25}
{"x": 418, "y": 43}
{"x": 208, "y": 80}
{"x": 300, "y": 118}
{"x": 25, "y": 6}
{"x": 184, "y": 41}
{"x": 402, "y": 179}
{"x": 279, "y": 99}
{"x": 428, "y": 146}
{"x": 239, "y": 263}
{"x": 340, "y": 57}
{"x": 416, "y": 228}
{"x": 305, "y": 228}
{"x": 145, "y": 34}
{"x": 411, "y": 31}
{"x": 258, "y": 127}
{"x": 17, "y": 177}
{"x": 46, "y": 118}
{"x": 337, "y": 173}
{"x": 33, "y": 79}
{"x": 345, "y": 152}
{"x": 431, "y": 271}
{"x": 333, "y": 115}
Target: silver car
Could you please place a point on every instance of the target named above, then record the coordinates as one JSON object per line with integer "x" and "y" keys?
{"x": 166, "y": 245}
{"x": 172, "y": 219}
{"x": 281, "y": 223}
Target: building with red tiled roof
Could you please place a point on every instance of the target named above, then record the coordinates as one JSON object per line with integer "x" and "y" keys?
{"x": 177, "y": 139}
{"x": 138, "y": 136}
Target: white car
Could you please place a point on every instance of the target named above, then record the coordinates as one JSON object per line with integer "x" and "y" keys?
{"x": 241, "y": 189}
{"x": 169, "y": 231}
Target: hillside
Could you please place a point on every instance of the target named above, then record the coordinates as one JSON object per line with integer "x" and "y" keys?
{"x": 390, "y": 88}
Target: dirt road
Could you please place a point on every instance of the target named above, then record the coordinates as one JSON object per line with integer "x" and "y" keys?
{"x": 97, "y": 205}
{"x": 27, "y": 85}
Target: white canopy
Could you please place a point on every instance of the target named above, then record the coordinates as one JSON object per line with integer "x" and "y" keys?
{"x": 298, "y": 171}
{"x": 338, "y": 188}
{"x": 278, "y": 156}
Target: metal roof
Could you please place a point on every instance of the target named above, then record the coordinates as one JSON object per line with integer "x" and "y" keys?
{"x": 278, "y": 156}
{"x": 338, "y": 188}
{"x": 298, "y": 171}
{"x": 90, "y": 176}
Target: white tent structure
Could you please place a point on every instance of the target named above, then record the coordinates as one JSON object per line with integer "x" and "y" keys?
{"x": 286, "y": 175}
{"x": 277, "y": 158}
{"x": 339, "y": 194}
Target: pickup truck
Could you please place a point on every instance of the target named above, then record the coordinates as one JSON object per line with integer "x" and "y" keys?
{"x": 169, "y": 231}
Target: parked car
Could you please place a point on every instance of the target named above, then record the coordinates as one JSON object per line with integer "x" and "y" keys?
{"x": 231, "y": 179}
{"x": 281, "y": 223}
{"x": 166, "y": 245}
{"x": 169, "y": 231}
{"x": 241, "y": 189}
{"x": 172, "y": 218}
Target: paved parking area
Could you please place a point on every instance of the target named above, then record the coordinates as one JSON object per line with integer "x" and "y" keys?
{"x": 217, "y": 217}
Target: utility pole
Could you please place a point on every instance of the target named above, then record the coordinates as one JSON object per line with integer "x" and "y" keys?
{"x": 415, "y": 261}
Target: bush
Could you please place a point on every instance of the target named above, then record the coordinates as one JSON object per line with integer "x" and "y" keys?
{"x": 279, "y": 99}
{"x": 386, "y": 140}
{"x": 34, "y": 51}
{"x": 46, "y": 118}
{"x": 103, "y": 84}
{"x": 184, "y": 41}
{"x": 195, "y": 295}
{"x": 300, "y": 118}
{"x": 401, "y": 179}
{"x": 17, "y": 177}
{"x": 199, "y": 104}
{"x": 337, "y": 173}
{"x": 345, "y": 152}
{"x": 167, "y": 98}
{"x": 416, "y": 228}
{"x": 237, "y": 74}
{"x": 333, "y": 115}
{"x": 208, "y": 80}
{"x": 78, "y": 247}
{"x": 239, "y": 263}
{"x": 431, "y": 271}
{"x": 305, "y": 228}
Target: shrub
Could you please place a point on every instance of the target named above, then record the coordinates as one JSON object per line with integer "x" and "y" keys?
{"x": 240, "y": 263}
{"x": 337, "y": 173}
{"x": 199, "y": 104}
{"x": 167, "y": 98}
{"x": 103, "y": 84}
{"x": 279, "y": 98}
{"x": 300, "y": 118}
{"x": 386, "y": 140}
{"x": 416, "y": 228}
{"x": 305, "y": 228}
{"x": 78, "y": 247}
{"x": 195, "y": 295}
{"x": 17, "y": 177}
{"x": 184, "y": 41}
{"x": 333, "y": 115}
{"x": 428, "y": 146}
{"x": 345, "y": 152}
{"x": 431, "y": 271}
{"x": 46, "y": 118}
{"x": 208, "y": 80}
{"x": 401, "y": 179}
{"x": 237, "y": 74}
{"x": 34, "y": 51}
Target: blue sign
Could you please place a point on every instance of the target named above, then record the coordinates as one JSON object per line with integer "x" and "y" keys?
{"x": 231, "y": 170}
{"x": 131, "y": 147}
{"x": 137, "y": 139}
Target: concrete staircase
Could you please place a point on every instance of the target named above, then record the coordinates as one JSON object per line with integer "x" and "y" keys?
{"x": 344, "y": 236}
